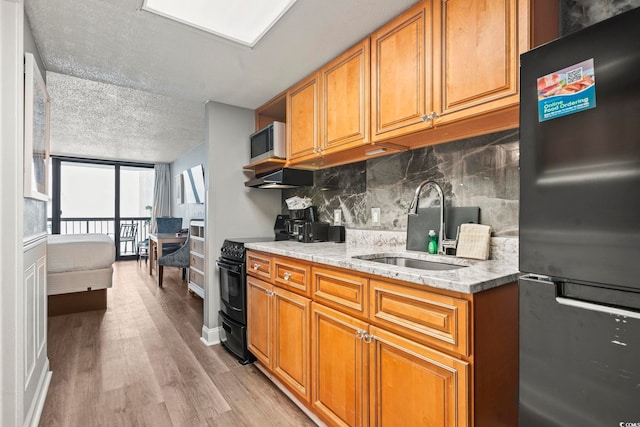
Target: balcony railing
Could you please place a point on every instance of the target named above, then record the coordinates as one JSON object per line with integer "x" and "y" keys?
{"x": 105, "y": 225}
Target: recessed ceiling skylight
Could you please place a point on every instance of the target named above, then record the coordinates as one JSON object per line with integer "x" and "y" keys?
{"x": 242, "y": 21}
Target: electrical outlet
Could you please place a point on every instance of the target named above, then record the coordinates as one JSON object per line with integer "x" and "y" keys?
{"x": 375, "y": 216}
{"x": 337, "y": 217}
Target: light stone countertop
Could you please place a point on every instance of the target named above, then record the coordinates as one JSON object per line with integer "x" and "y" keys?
{"x": 477, "y": 277}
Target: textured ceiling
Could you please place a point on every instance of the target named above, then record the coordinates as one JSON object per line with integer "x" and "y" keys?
{"x": 115, "y": 42}
{"x": 102, "y": 121}
{"x": 139, "y": 81}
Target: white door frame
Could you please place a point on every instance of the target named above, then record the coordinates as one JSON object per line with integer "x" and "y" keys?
{"x": 11, "y": 211}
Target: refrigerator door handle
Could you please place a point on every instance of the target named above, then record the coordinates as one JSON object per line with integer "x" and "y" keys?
{"x": 597, "y": 307}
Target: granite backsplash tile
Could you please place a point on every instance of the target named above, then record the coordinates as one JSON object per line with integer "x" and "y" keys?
{"x": 480, "y": 171}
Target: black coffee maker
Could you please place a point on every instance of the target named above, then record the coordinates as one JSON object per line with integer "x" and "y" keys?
{"x": 303, "y": 226}
{"x": 280, "y": 227}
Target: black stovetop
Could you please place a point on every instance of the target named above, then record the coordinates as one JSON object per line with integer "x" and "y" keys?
{"x": 233, "y": 247}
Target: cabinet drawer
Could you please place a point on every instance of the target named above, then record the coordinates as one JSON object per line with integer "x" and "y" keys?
{"x": 196, "y": 245}
{"x": 196, "y": 278}
{"x": 341, "y": 290}
{"x": 259, "y": 265}
{"x": 421, "y": 315}
{"x": 292, "y": 275}
{"x": 196, "y": 261}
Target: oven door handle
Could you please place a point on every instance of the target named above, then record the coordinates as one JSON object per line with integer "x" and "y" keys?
{"x": 233, "y": 267}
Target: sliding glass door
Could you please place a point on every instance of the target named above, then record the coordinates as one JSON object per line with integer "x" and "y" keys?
{"x": 112, "y": 198}
{"x": 135, "y": 199}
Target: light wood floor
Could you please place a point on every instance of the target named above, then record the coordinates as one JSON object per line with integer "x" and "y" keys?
{"x": 141, "y": 363}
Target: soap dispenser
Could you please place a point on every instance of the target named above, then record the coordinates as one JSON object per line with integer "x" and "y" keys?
{"x": 432, "y": 245}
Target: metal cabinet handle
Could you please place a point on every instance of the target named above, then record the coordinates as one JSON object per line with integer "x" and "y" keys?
{"x": 287, "y": 276}
{"x": 360, "y": 334}
{"x": 426, "y": 118}
{"x": 434, "y": 115}
{"x": 256, "y": 266}
{"x": 367, "y": 338}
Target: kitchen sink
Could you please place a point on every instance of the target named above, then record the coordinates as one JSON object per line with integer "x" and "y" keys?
{"x": 411, "y": 262}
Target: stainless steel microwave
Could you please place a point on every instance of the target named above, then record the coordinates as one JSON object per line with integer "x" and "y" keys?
{"x": 268, "y": 142}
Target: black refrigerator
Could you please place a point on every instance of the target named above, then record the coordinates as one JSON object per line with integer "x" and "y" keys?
{"x": 580, "y": 228}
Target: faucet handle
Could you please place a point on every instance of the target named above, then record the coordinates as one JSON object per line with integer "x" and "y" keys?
{"x": 448, "y": 243}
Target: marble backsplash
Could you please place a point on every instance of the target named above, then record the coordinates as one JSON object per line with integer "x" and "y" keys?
{"x": 577, "y": 14}
{"x": 480, "y": 171}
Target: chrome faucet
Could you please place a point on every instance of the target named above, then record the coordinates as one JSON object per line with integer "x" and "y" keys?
{"x": 443, "y": 242}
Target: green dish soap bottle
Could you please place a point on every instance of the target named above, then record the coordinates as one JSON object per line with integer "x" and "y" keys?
{"x": 432, "y": 246}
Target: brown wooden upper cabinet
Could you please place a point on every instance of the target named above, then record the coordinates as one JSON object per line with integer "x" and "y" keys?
{"x": 344, "y": 112}
{"x": 303, "y": 118}
{"x": 329, "y": 111}
{"x": 477, "y": 68}
{"x": 442, "y": 70}
{"x": 401, "y": 73}
{"x": 441, "y": 62}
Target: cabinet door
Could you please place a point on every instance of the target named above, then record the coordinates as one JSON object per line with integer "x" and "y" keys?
{"x": 291, "y": 343}
{"x": 302, "y": 118}
{"x": 339, "y": 367}
{"x": 412, "y": 385}
{"x": 344, "y": 112}
{"x": 479, "y": 57}
{"x": 401, "y": 74}
{"x": 259, "y": 321}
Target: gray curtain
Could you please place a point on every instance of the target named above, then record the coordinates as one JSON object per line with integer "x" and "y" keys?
{"x": 161, "y": 193}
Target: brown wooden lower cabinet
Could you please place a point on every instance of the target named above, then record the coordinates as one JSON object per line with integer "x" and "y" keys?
{"x": 357, "y": 367}
{"x": 291, "y": 341}
{"x": 339, "y": 364}
{"x": 279, "y": 327}
{"x": 422, "y": 357}
{"x": 413, "y": 385}
{"x": 259, "y": 325}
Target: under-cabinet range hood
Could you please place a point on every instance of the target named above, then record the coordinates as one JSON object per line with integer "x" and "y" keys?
{"x": 282, "y": 178}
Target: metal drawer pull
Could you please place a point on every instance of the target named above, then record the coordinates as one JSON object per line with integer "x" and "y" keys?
{"x": 368, "y": 338}
{"x": 360, "y": 334}
{"x": 256, "y": 266}
{"x": 287, "y": 276}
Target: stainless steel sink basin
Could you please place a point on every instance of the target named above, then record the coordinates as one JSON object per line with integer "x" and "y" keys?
{"x": 412, "y": 263}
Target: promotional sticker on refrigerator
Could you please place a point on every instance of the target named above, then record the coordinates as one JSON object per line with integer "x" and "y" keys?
{"x": 567, "y": 91}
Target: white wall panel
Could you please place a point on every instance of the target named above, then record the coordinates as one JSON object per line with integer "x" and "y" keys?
{"x": 36, "y": 373}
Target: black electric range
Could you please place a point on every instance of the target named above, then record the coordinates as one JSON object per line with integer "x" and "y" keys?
{"x": 233, "y": 296}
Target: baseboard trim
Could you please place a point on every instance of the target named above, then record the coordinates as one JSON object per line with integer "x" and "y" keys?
{"x": 42, "y": 396}
{"x": 210, "y": 336}
{"x": 290, "y": 395}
